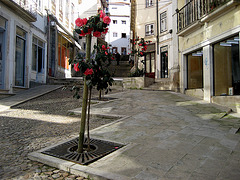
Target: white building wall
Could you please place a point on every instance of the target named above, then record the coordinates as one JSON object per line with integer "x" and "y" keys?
{"x": 119, "y": 11}
{"x": 14, "y": 20}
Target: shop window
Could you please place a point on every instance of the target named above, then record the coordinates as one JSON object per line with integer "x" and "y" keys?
{"x": 195, "y": 70}
{"x": 227, "y": 67}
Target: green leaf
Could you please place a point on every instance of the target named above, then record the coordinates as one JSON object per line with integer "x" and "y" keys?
{"x": 78, "y": 31}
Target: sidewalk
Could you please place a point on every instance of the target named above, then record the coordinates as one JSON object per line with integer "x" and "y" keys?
{"x": 167, "y": 136}
{"x": 26, "y": 95}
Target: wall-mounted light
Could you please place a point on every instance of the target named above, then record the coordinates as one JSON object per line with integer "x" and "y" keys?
{"x": 225, "y": 44}
{"x": 53, "y": 23}
{"x": 198, "y": 53}
{"x": 232, "y": 41}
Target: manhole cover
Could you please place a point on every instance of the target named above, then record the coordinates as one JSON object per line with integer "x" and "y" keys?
{"x": 67, "y": 151}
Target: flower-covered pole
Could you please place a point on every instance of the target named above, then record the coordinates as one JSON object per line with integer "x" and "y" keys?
{"x": 94, "y": 72}
{"x": 85, "y": 99}
{"x": 142, "y": 47}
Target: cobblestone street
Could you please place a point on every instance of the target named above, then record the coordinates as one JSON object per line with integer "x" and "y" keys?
{"x": 33, "y": 125}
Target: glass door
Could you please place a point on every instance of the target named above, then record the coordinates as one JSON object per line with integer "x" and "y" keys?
{"x": 164, "y": 62}
{"x": 1, "y": 61}
{"x": 2, "y": 51}
{"x": 20, "y": 58}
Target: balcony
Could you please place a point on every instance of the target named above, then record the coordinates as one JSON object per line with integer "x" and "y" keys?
{"x": 27, "y": 9}
{"x": 196, "y": 12}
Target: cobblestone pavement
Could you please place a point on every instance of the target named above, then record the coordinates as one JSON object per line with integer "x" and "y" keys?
{"x": 33, "y": 125}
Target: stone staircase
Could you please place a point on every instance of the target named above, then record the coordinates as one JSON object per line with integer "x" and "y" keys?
{"x": 66, "y": 81}
{"x": 121, "y": 70}
{"x": 161, "y": 84}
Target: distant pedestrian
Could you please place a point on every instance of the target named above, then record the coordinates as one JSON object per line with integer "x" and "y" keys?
{"x": 117, "y": 58}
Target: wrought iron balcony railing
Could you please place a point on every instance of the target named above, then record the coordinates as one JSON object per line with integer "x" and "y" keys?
{"x": 27, "y": 5}
{"x": 195, "y": 10}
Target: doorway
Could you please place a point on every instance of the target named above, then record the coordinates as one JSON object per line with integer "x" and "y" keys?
{"x": 164, "y": 62}
{"x": 1, "y": 58}
{"x": 20, "y": 57}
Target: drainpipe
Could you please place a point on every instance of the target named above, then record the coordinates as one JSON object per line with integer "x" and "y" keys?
{"x": 157, "y": 27}
{"x": 48, "y": 46}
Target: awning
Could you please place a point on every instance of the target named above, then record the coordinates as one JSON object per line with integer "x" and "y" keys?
{"x": 69, "y": 38}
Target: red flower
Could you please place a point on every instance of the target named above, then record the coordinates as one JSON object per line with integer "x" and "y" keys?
{"x": 88, "y": 72}
{"x": 84, "y": 21}
{"x": 102, "y": 14}
{"x": 79, "y": 22}
{"x": 97, "y": 34}
{"x": 82, "y": 33}
{"x": 105, "y": 31}
{"x": 106, "y": 20}
{"x": 141, "y": 53}
{"x": 103, "y": 47}
{"x": 89, "y": 31}
{"x": 112, "y": 58}
{"x": 140, "y": 44}
{"x": 76, "y": 68}
{"x": 106, "y": 53}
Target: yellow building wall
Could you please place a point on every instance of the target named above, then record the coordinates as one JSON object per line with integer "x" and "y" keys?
{"x": 211, "y": 29}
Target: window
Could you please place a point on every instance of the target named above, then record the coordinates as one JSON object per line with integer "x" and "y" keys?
{"x": 195, "y": 70}
{"x": 72, "y": 13}
{"x": 149, "y": 3}
{"x": 37, "y": 55}
{"x": 124, "y": 35}
{"x": 114, "y": 21}
{"x": 123, "y": 22}
{"x": 149, "y": 30}
{"x": 67, "y": 13}
{"x": 114, "y": 50}
{"x": 67, "y": 9}
{"x": 60, "y": 5}
{"x": 123, "y": 50}
{"x": 39, "y": 5}
{"x": 163, "y": 22}
{"x": 115, "y": 34}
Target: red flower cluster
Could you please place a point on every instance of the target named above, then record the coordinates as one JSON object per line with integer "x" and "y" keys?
{"x": 76, "y": 67}
{"x": 142, "y": 46}
{"x": 89, "y": 26}
{"x": 88, "y": 72}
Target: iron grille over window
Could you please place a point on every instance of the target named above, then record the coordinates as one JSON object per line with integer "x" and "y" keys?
{"x": 196, "y": 9}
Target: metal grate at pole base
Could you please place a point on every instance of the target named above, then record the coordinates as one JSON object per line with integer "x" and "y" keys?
{"x": 68, "y": 150}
